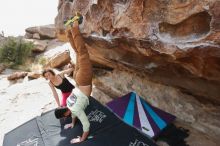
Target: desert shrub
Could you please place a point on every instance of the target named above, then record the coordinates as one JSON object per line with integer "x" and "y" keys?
{"x": 15, "y": 51}
{"x": 42, "y": 60}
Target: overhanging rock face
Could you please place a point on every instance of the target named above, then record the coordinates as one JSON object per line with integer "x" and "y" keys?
{"x": 193, "y": 28}
{"x": 176, "y": 43}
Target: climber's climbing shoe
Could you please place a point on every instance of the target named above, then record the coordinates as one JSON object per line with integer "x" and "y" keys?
{"x": 78, "y": 17}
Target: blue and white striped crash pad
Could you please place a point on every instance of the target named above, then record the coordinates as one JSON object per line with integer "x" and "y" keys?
{"x": 135, "y": 111}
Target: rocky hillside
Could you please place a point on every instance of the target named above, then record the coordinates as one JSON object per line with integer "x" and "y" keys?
{"x": 166, "y": 50}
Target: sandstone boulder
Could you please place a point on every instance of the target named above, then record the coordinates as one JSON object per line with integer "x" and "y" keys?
{"x": 33, "y": 75}
{"x": 42, "y": 32}
{"x": 17, "y": 75}
{"x": 2, "y": 68}
{"x": 28, "y": 35}
{"x": 176, "y": 43}
{"x": 36, "y": 36}
{"x": 40, "y": 45}
{"x": 59, "y": 60}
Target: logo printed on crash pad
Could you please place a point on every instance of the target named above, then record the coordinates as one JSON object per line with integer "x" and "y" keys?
{"x": 137, "y": 143}
{"x": 29, "y": 142}
{"x": 96, "y": 116}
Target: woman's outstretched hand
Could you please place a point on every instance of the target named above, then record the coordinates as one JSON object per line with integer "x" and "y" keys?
{"x": 67, "y": 126}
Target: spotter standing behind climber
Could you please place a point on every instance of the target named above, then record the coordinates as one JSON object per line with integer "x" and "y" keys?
{"x": 59, "y": 81}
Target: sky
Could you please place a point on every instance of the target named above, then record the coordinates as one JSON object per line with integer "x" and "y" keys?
{"x": 17, "y": 15}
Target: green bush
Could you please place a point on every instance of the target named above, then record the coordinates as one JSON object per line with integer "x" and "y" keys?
{"x": 42, "y": 60}
{"x": 15, "y": 51}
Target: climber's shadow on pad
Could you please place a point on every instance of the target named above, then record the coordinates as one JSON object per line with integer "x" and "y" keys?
{"x": 174, "y": 136}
